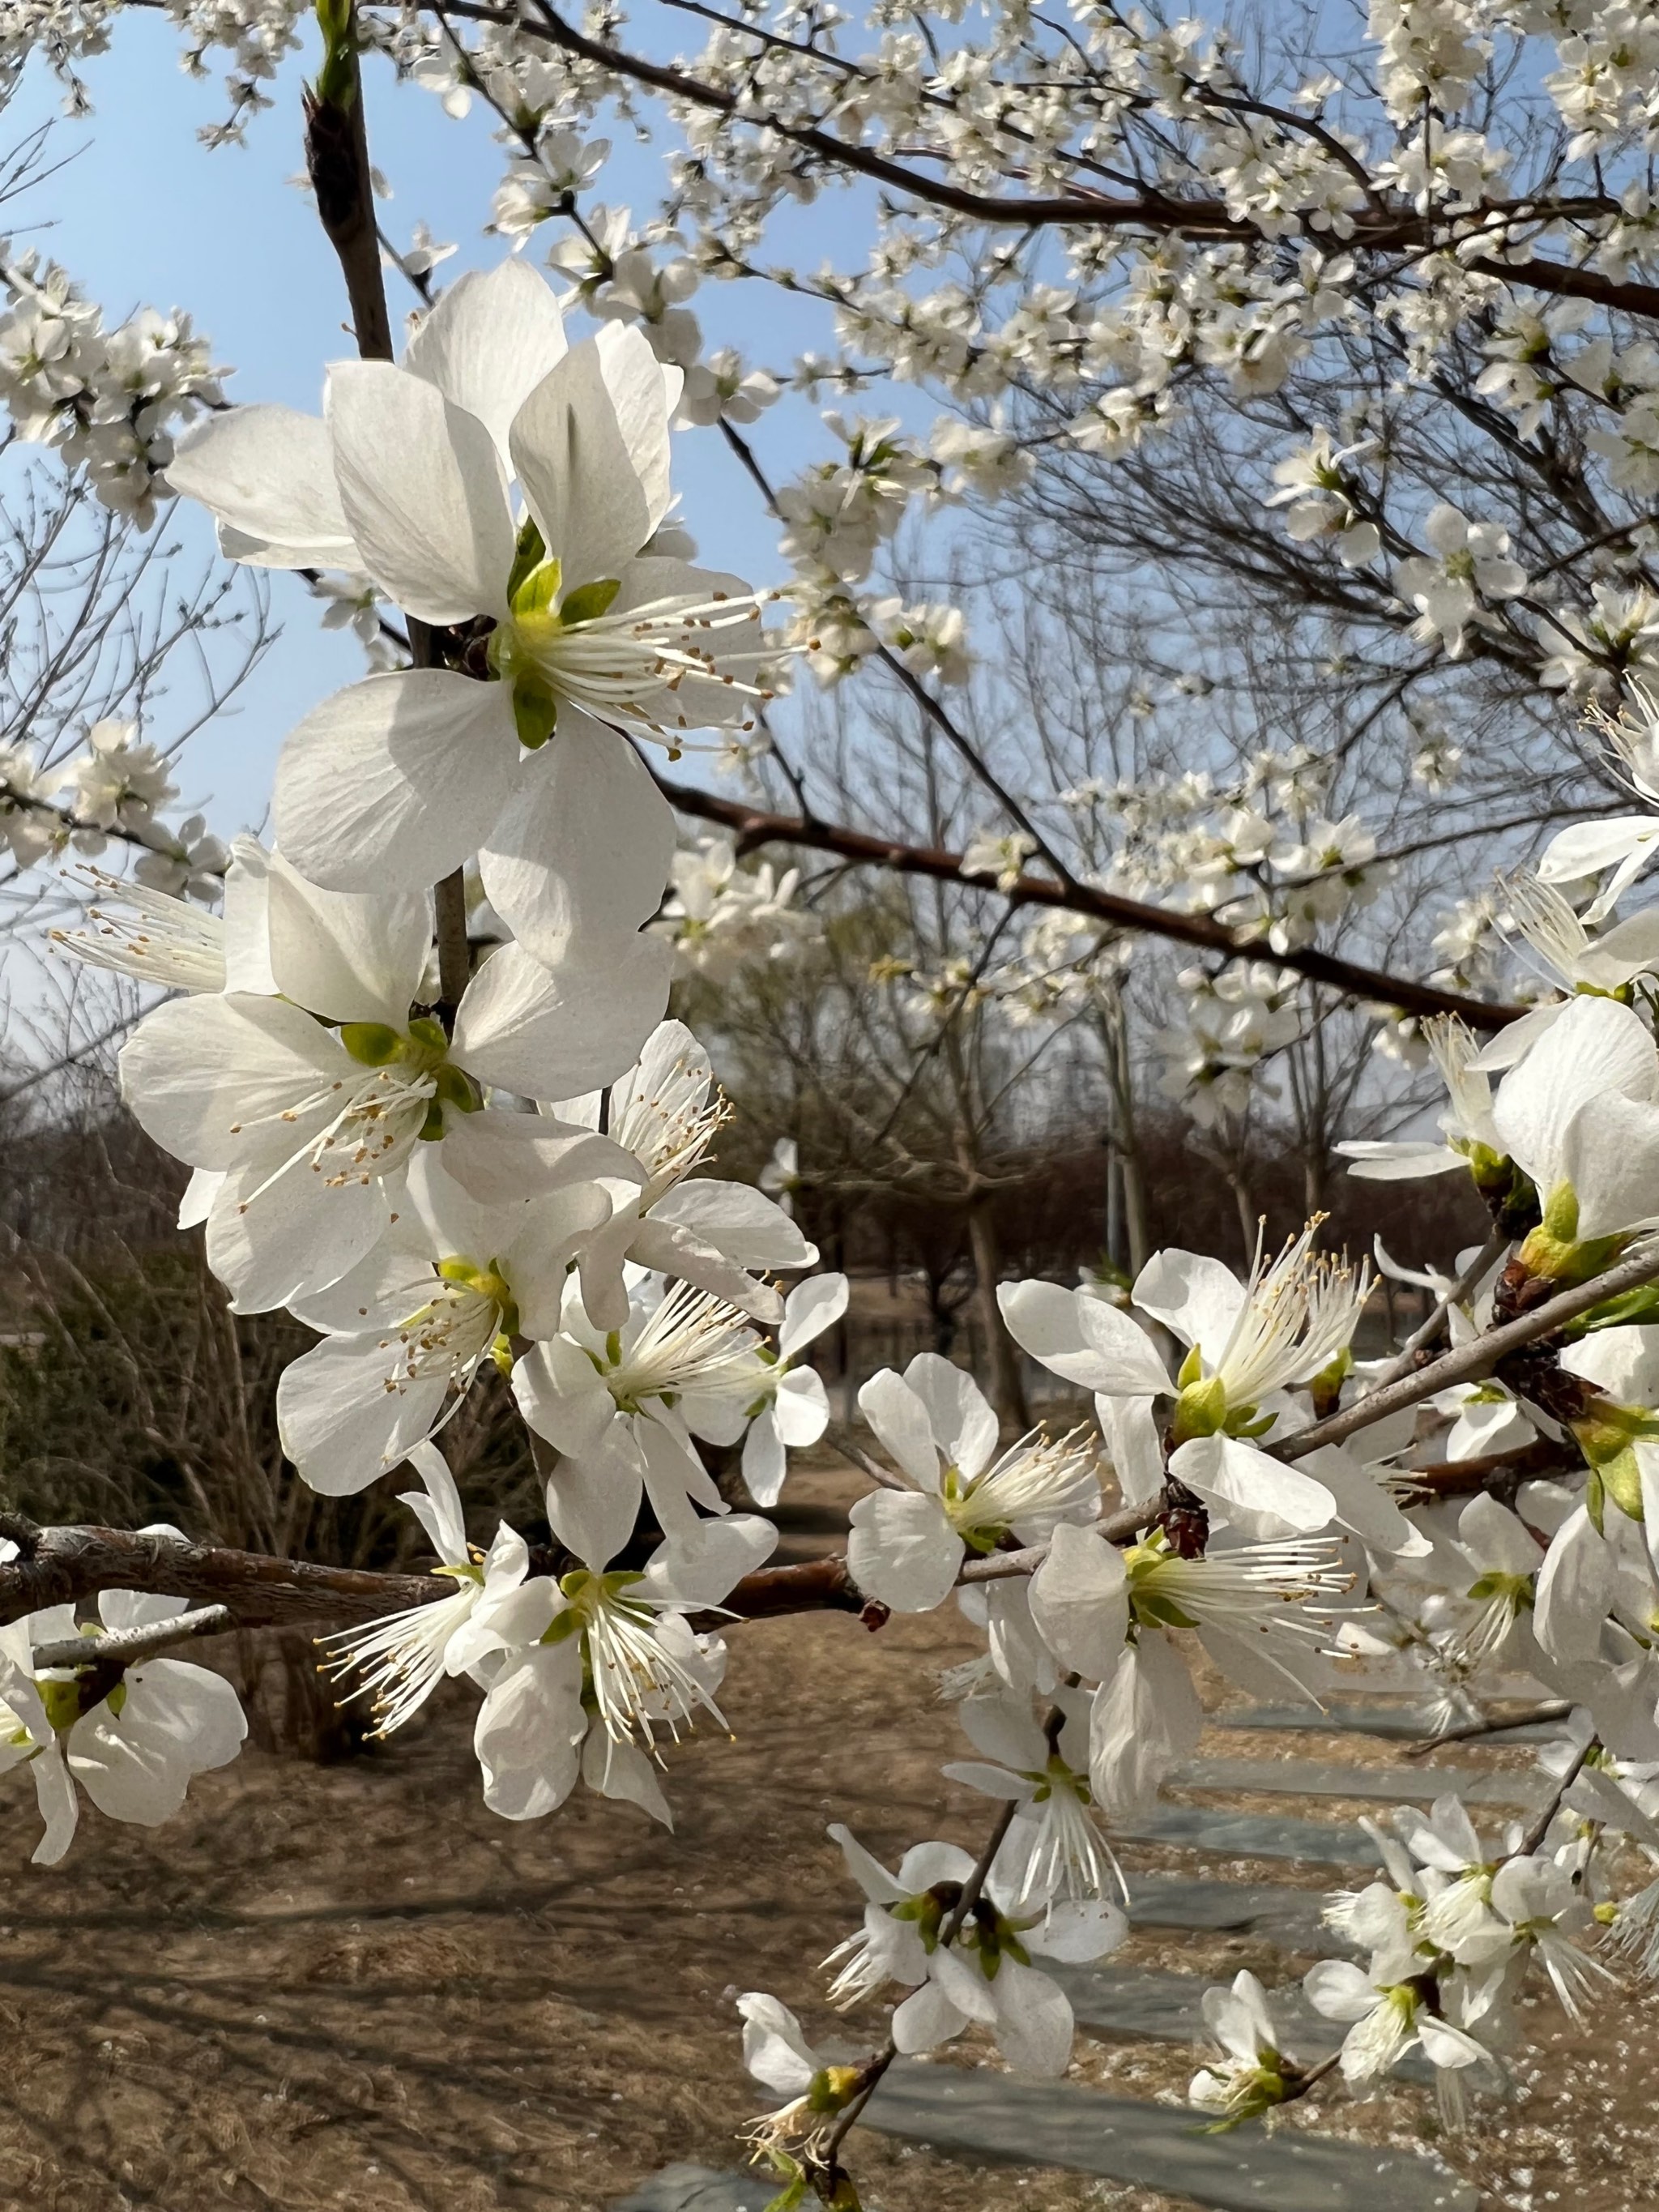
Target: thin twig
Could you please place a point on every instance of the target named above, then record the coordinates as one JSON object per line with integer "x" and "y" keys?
{"x": 1489, "y": 1252}
{"x": 1541, "y": 1828}
{"x": 122, "y": 1647}
{"x": 1553, "y": 1709}
{"x": 841, "y": 1440}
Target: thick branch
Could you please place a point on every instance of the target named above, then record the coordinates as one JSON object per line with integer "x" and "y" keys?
{"x": 61, "y": 1566}
{"x": 754, "y": 827}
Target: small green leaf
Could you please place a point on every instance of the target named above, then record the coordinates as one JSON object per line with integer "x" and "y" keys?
{"x": 589, "y": 601}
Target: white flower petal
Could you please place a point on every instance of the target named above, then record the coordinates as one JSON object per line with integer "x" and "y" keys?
{"x": 392, "y": 783}
{"x": 584, "y": 846}
{"x": 488, "y": 344}
{"x": 424, "y": 491}
{"x": 546, "y": 1032}
{"x": 266, "y": 473}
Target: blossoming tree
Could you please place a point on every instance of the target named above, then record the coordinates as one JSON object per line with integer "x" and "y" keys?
{"x": 1382, "y": 273}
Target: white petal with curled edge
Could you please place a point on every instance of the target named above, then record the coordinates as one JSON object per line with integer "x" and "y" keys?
{"x": 964, "y": 1426}
{"x": 774, "y": 2048}
{"x": 394, "y": 782}
{"x": 1611, "y": 1158}
{"x": 1080, "y": 1602}
{"x": 1378, "y": 1160}
{"x": 593, "y": 1500}
{"x": 549, "y": 1032}
{"x": 584, "y": 846}
{"x": 500, "y": 1158}
{"x": 1132, "y": 1445}
{"x": 925, "y": 2019}
{"x": 341, "y": 1426}
{"x": 623, "y": 1771}
{"x": 54, "y": 1796}
{"x": 764, "y": 1465}
{"x": 423, "y": 490}
{"x": 810, "y": 1307}
{"x": 200, "y": 1192}
{"x": 1100, "y": 1350}
{"x": 266, "y": 474}
{"x": 590, "y": 447}
{"x": 529, "y": 1730}
{"x": 348, "y": 956}
{"x": 562, "y": 1397}
{"x": 1574, "y": 1590}
{"x": 668, "y": 1250}
{"x": 903, "y": 1427}
{"x": 1079, "y": 1930}
{"x": 1595, "y": 1047}
{"x": 437, "y": 1504}
{"x": 1586, "y": 847}
{"x": 871, "y": 1877}
{"x": 1252, "y": 1490}
{"x": 1195, "y": 1295}
{"x": 1364, "y": 1505}
{"x": 1146, "y": 1719}
{"x": 736, "y": 1219}
{"x": 488, "y": 344}
{"x": 1034, "y": 2024}
{"x": 704, "y": 1567}
{"x": 902, "y": 1550}
{"x": 801, "y": 1409}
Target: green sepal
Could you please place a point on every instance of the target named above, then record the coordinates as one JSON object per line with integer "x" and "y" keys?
{"x": 1621, "y": 1479}
{"x": 538, "y": 593}
{"x": 589, "y": 601}
{"x": 373, "y": 1044}
{"x": 529, "y": 553}
{"x": 456, "y": 1088}
{"x": 1630, "y": 1308}
{"x": 535, "y": 712}
{"x": 433, "y": 1128}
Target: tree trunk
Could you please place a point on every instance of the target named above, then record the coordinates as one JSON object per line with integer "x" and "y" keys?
{"x": 1007, "y": 1386}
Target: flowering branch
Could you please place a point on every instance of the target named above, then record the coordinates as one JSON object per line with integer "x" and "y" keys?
{"x": 64, "y": 1565}
{"x": 1469, "y": 1363}
{"x": 754, "y": 827}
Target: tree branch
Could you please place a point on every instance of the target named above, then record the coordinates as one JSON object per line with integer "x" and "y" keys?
{"x": 1469, "y": 1362}
{"x": 62, "y": 1565}
{"x": 124, "y": 1647}
{"x": 754, "y": 827}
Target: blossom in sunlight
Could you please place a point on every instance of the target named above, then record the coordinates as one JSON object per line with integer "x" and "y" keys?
{"x": 908, "y": 1546}
{"x": 301, "y": 1091}
{"x": 779, "y": 2056}
{"x": 395, "y": 781}
{"x": 1249, "y": 2078}
{"x": 133, "y": 1746}
{"x": 398, "y": 1661}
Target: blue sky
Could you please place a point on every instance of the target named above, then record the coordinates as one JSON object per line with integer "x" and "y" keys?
{"x": 144, "y": 213}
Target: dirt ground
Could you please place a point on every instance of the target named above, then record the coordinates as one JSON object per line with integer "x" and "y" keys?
{"x": 351, "y": 1986}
